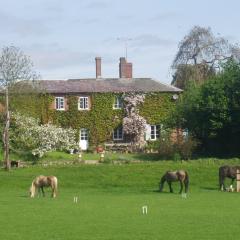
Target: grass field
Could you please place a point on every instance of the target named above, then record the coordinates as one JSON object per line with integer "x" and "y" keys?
{"x": 110, "y": 200}
{"x": 60, "y": 156}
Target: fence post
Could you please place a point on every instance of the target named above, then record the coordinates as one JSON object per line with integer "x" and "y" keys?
{"x": 238, "y": 180}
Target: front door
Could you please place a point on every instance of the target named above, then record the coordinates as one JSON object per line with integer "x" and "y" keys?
{"x": 83, "y": 140}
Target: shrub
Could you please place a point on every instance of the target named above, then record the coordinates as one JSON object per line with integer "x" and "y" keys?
{"x": 186, "y": 147}
{"x": 177, "y": 148}
{"x": 29, "y": 135}
{"x": 176, "y": 157}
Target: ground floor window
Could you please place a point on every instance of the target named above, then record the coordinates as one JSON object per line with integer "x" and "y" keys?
{"x": 118, "y": 103}
{"x": 155, "y": 132}
{"x": 118, "y": 133}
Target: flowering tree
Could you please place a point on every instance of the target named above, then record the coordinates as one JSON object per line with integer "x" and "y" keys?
{"x": 40, "y": 139}
{"x": 134, "y": 125}
{"x": 15, "y": 66}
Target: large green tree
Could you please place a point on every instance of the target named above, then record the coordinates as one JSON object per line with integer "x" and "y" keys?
{"x": 212, "y": 111}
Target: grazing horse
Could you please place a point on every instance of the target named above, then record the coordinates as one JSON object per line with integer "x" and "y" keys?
{"x": 43, "y": 181}
{"x": 179, "y": 175}
{"x": 229, "y": 172}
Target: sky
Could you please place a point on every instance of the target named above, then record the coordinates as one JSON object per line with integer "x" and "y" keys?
{"x": 63, "y": 37}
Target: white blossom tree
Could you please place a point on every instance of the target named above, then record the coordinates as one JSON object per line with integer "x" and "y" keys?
{"x": 134, "y": 125}
{"x": 39, "y": 139}
{"x": 14, "y": 66}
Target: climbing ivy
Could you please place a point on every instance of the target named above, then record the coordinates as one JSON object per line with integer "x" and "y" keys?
{"x": 100, "y": 120}
{"x": 156, "y": 107}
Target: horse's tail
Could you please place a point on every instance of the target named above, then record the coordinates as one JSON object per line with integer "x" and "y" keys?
{"x": 162, "y": 181}
{"x": 32, "y": 189}
{"x": 186, "y": 181}
{"x": 55, "y": 186}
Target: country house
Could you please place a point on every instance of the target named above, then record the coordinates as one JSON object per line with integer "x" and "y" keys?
{"x": 95, "y": 106}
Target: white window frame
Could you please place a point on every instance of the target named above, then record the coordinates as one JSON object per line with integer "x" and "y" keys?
{"x": 60, "y": 103}
{"x": 155, "y": 132}
{"x": 85, "y": 103}
{"x": 118, "y": 133}
{"x": 118, "y": 102}
{"x": 83, "y": 134}
{"x": 185, "y": 134}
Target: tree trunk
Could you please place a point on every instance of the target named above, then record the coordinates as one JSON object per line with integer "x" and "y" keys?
{"x": 6, "y": 135}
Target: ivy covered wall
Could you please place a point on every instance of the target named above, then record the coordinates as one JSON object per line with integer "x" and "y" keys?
{"x": 101, "y": 119}
{"x": 156, "y": 107}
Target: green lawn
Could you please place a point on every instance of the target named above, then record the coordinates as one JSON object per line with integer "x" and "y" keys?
{"x": 60, "y": 156}
{"x": 110, "y": 202}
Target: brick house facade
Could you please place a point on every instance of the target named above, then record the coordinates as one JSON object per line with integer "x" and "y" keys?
{"x": 85, "y": 90}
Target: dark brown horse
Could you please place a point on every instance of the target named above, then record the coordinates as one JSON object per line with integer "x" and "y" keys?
{"x": 229, "y": 172}
{"x": 170, "y": 176}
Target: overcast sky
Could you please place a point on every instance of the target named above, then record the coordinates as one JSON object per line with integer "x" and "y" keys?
{"x": 63, "y": 37}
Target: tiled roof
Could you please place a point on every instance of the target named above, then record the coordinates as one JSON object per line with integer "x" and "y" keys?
{"x": 106, "y": 85}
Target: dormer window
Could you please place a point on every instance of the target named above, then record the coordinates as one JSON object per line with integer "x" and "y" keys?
{"x": 83, "y": 103}
{"x": 118, "y": 102}
{"x": 59, "y": 103}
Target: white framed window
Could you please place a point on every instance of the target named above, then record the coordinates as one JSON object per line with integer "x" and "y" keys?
{"x": 155, "y": 132}
{"x": 118, "y": 133}
{"x": 83, "y": 103}
{"x": 59, "y": 103}
{"x": 83, "y": 134}
{"x": 185, "y": 134}
{"x": 118, "y": 102}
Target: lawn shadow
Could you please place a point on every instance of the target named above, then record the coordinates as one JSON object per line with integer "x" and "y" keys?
{"x": 24, "y": 196}
{"x": 147, "y": 157}
{"x": 209, "y": 188}
{"x": 164, "y": 192}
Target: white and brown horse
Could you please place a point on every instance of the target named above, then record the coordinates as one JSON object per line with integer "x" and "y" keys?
{"x": 44, "y": 181}
{"x": 173, "y": 176}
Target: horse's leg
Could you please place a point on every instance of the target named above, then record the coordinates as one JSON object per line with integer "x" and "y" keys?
{"x": 221, "y": 183}
{"x": 161, "y": 184}
{"x": 232, "y": 181}
{"x": 39, "y": 191}
{"x": 170, "y": 186}
{"x": 223, "y": 186}
{"x": 186, "y": 182}
{"x": 53, "y": 192}
{"x": 43, "y": 193}
{"x": 181, "y": 187}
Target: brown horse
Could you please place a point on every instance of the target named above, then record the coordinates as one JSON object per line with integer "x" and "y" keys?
{"x": 229, "y": 172}
{"x": 43, "y": 181}
{"x": 170, "y": 176}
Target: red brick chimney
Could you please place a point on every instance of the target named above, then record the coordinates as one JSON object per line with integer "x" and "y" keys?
{"x": 98, "y": 67}
{"x": 125, "y": 68}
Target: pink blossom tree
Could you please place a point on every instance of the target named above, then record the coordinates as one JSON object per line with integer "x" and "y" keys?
{"x": 134, "y": 125}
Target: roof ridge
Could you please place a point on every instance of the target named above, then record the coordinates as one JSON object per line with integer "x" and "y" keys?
{"x": 178, "y": 89}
